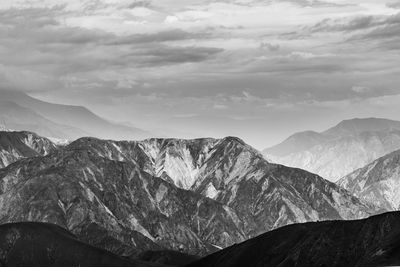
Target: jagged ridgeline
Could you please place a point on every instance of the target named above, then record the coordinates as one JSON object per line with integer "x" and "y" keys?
{"x": 193, "y": 196}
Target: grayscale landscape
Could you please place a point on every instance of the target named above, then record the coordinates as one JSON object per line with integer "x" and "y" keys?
{"x": 197, "y": 133}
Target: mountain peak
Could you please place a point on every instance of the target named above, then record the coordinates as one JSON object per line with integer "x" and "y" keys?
{"x": 233, "y": 139}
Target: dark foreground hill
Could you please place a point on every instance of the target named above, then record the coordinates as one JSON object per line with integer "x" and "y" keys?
{"x": 370, "y": 242}
{"x": 43, "y": 244}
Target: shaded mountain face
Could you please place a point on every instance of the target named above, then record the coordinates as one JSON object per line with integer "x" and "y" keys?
{"x": 78, "y": 120}
{"x": 168, "y": 257}
{"x": 370, "y": 242}
{"x": 340, "y": 150}
{"x": 42, "y": 244}
{"x": 377, "y": 182}
{"x": 188, "y": 195}
{"x": 17, "y": 145}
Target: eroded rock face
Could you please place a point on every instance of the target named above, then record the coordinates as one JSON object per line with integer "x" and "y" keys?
{"x": 17, "y": 145}
{"x": 113, "y": 204}
{"x": 370, "y": 242}
{"x": 377, "y": 182}
{"x": 189, "y": 195}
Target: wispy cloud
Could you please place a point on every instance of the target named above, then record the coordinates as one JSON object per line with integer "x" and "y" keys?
{"x": 234, "y": 58}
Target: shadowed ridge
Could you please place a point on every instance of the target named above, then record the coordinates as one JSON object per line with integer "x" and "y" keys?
{"x": 43, "y": 244}
{"x": 169, "y": 257}
{"x": 369, "y": 242}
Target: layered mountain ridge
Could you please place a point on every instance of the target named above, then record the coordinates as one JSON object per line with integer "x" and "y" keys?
{"x": 189, "y": 195}
{"x": 339, "y": 150}
{"x": 19, "y": 111}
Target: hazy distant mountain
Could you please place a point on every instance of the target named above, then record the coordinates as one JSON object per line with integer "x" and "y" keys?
{"x": 189, "y": 195}
{"x": 17, "y": 145}
{"x": 39, "y": 244}
{"x": 356, "y": 126}
{"x": 16, "y": 117}
{"x": 371, "y": 242}
{"x": 377, "y": 182}
{"x": 85, "y": 122}
{"x": 339, "y": 150}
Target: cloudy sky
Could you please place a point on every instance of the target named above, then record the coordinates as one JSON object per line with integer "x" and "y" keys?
{"x": 260, "y": 70}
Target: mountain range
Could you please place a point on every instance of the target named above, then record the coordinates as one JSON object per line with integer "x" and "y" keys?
{"x": 339, "y": 150}
{"x": 19, "y": 111}
{"x": 194, "y": 196}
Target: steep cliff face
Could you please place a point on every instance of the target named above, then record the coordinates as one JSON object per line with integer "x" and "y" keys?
{"x": 377, "y": 182}
{"x": 340, "y": 150}
{"x": 17, "y": 145}
{"x": 370, "y": 242}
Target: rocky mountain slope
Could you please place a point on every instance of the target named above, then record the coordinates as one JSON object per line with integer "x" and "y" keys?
{"x": 41, "y": 244}
{"x": 264, "y": 195}
{"x": 377, "y": 182}
{"x": 189, "y": 195}
{"x": 17, "y": 145}
{"x": 59, "y": 121}
{"x": 339, "y": 150}
{"x": 113, "y": 204}
{"x": 370, "y": 242}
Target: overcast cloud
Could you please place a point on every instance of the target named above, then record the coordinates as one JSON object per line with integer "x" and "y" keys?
{"x": 257, "y": 69}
